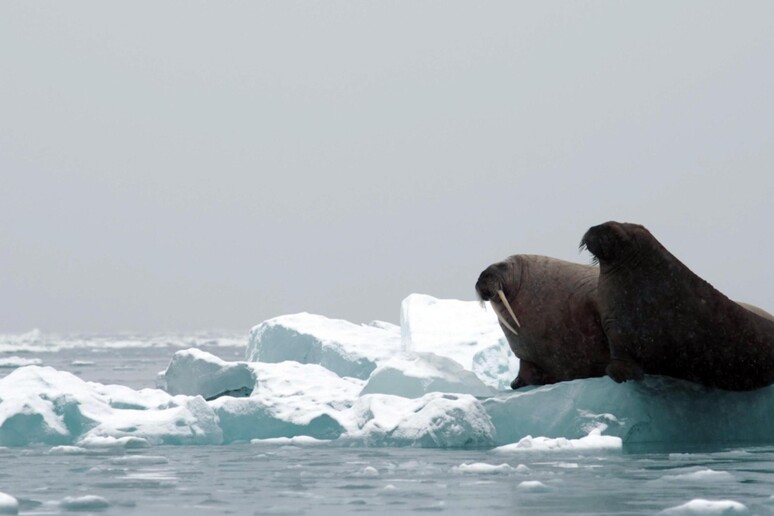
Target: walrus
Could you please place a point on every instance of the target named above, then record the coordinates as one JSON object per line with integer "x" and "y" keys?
{"x": 548, "y": 312}
{"x": 661, "y": 318}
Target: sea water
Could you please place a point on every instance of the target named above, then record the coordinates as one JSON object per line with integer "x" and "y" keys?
{"x": 294, "y": 476}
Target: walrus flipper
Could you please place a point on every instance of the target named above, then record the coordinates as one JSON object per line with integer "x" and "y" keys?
{"x": 622, "y": 366}
{"x": 530, "y": 374}
{"x": 621, "y": 370}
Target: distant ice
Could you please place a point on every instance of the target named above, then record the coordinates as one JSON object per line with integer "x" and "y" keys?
{"x": 299, "y": 440}
{"x": 84, "y": 503}
{"x": 699, "y": 476}
{"x": 81, "y": 363}
{"x": 368, "y": 471}
{"x": 14, "y": 362}
{"x": 139, "y": 460}
{"x": 36, "y": 341}
{"x": 700, "y": 506}
{"x": 532, "y": 486}
{"x": 482, "y": 467}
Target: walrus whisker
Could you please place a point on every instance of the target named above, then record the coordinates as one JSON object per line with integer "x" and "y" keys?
{"x": 508, "y": 306}
{"x": 502, "y": 320}
{"x": 583, "y": 247}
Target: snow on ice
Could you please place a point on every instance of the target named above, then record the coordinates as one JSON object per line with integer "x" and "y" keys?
{"x": 438, "y": 380}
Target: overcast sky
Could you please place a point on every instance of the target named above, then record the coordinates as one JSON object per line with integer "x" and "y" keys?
{"x": 195, "y": 165}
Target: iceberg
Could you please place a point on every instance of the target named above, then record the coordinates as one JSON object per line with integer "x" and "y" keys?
{"x": 465, "y": 331}
{"x": 289, "y": 399}
{"x": 345, "y": 348}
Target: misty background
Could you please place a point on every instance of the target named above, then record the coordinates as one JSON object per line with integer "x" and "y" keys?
{"x": 190, "y": 165}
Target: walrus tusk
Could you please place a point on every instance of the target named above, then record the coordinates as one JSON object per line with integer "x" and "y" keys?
{"x": 508, "y": 306}
{"x": 501, "y": 294}
{"x": 505, "y": 323}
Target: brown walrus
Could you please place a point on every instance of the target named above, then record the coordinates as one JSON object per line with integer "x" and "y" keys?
{"x": 549, "y": 316}
{"x": 661, "y": 318}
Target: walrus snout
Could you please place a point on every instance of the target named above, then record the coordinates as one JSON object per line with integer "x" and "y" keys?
{"x": 489, "y": 282}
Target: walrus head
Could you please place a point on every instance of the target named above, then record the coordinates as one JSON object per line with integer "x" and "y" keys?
{"x": 495, "y": 278}
{"x": 492, "y": 284}
{"x": 612, "y": 241}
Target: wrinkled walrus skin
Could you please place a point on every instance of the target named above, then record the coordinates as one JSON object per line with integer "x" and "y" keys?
{"x": 661, "y": 318}
{"x": 560, "y": 336}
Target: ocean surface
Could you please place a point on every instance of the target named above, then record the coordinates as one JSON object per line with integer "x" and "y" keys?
{"x": 319, "y": 478}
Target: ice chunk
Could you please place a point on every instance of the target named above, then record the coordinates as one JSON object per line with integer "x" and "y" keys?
{"x": 302, "y": 386}
{"x": 289, "y": 399}
{"x": 8, "y": 504}
{"x": 434, "y": 420}
{"x": 699, "y": 476}
{"x": 343, "y": 347}
{"x": 193, "y": 371}
{"x": 464, "y": 331}
{"x": 43, "y": 405}
{"x": 84, "y": 503}
{"x": 594, "y": 441}
{"x": 482, "y": 467}
{"x": 139, "y": 460}
{"x": 707, "y": 507}
{"x": 191, "y": 422}
{"x": 496, "y": 365}
{"x": 300, "y": 440}
{"x": 412, "y": 375}
{"x": 532, "y": 486}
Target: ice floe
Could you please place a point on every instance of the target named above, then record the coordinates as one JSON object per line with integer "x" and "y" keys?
{"x": 429, "y": 382}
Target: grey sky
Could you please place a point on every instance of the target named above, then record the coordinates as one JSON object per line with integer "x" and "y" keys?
{"x": 191, "y": 165}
